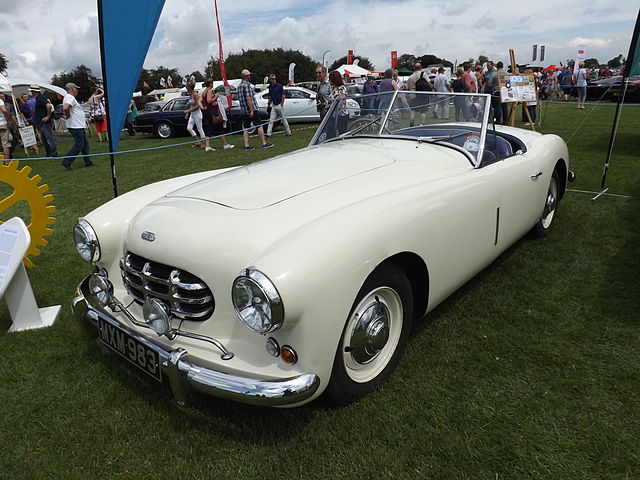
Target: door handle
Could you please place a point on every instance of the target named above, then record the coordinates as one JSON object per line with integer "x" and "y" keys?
{"x": 536, "y": 175}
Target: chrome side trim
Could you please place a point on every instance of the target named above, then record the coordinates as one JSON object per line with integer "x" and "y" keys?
{"x": 185, "y": 374}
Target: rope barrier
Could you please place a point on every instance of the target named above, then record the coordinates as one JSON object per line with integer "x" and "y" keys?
{"x": 601, "y": 193}
{"x": 148, "y": 149}
{"x": 190, "y": 142}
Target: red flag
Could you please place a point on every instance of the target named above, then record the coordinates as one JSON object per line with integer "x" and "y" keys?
{"x": 221, "y": 55}
{"x": 349, "y": 57}
{"x": 394, "y": 59}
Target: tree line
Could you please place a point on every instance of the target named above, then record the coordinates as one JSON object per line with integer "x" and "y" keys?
{"x": 261, "y": 63}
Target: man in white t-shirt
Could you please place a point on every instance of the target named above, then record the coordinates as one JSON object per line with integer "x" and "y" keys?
{"x": 5, "y": 135}
{"x": 76, "y": 124}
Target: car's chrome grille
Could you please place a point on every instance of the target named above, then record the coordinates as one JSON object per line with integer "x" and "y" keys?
{"x": 187, "y": 296}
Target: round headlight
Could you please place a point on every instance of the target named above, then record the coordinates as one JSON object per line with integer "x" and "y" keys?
{"x": 156, "y": 316}
{"x": 101, "y": 288}
{"x": 257, "y": 302}
{"x": 86, "y": 241}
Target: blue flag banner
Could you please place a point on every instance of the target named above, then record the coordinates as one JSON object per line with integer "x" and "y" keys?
{"x": 633, "y": 58}
{"x": 126, "y": 30}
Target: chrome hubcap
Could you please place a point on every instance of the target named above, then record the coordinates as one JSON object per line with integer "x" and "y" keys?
{"x": 551, "y": 201}
{"x": 550, "y": 204}
{"x": 164, "y": 130}
{"x": 370, "y": 334}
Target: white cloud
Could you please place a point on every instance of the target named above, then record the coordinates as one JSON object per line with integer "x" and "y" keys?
{"x": 64, "y": 34}
{"x": 590, "y": 42}
{"x": 29, "y": 57}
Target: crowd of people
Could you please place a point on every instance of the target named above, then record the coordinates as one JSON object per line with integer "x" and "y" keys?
{"x": 207, "y": 116}
{"x": 551, "y": 83}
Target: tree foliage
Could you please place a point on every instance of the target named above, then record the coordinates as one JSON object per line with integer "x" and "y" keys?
{"x": 197, "y": 76}
{"x": 263, "y": 62}
{"x": 592, "y": 62}
{"x": 3, "y": 63}
{"x": 407, "y": 61}
{"x": 82, "y": 76}
{"x": 615, "y": 62}
{"x": 364, "y": 62}
{"x": 482, "y": 59}
{"x": 153, "y": 78}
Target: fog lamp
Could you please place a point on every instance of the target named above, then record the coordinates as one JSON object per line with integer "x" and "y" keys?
{"x": 156, "y": 316}
{"x": 101, "y": 288}
{"x": 272, "y": 346}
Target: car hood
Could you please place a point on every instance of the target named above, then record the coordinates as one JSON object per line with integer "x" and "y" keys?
{"x": 266, "y": 183}
{"x": 228, "y": 211}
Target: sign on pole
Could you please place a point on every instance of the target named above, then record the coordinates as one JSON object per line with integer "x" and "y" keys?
{"x": 580, "y": 57}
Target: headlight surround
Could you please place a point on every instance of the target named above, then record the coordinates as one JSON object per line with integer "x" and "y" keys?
{"x": 86, "y": 241}
{"x": 257, "y": 301}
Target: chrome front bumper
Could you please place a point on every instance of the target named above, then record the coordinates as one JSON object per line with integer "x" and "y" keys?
{"x": 184, "y": 375}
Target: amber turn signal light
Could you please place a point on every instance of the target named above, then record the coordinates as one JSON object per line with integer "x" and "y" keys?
{"x": 288, "y": 354}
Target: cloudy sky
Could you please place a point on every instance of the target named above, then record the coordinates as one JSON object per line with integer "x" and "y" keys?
{"x": 44, "y": 37}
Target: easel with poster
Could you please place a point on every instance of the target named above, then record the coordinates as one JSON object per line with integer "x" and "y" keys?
{"x": 517, "y": 89}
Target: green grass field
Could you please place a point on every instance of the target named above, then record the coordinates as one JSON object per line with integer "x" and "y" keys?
{"x": 531, "y": 370}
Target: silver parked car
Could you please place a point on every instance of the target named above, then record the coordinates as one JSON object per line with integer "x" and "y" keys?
{"x": 300, "y": 105}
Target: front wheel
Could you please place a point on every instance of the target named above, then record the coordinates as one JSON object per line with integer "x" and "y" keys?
{"x": 374, "y": 337}
{"x": 543, "y": 227}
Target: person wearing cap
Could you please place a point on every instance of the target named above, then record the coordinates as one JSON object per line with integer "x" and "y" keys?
{"x": 76, "y": 124}
{"x": 249, "y": 109}
{"x": 43, "y": 121}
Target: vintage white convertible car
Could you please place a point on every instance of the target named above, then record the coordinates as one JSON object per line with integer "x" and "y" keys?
{"x": 275, "y": 282}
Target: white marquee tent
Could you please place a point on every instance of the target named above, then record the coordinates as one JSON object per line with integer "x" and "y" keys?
{"x": 21, "y": 85}
{"x": 5, "y": 86}
{"x": 354, "y": 71}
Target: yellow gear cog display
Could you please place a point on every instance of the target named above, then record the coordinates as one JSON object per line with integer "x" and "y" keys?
{"x": 26, "y": 189}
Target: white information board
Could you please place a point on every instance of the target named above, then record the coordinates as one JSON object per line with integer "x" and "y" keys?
{"x": 14, "y": 242}
{"x": 28, "y": 136}
{"x": 517, "y": 88}
{"x": 14, "y": 282}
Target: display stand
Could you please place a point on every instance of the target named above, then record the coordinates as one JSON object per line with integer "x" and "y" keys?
{"x": 14, "y": 282}
{"x": 520, "y": 94}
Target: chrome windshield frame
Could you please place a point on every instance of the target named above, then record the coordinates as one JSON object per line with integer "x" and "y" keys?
{"x": 476, "y": 160}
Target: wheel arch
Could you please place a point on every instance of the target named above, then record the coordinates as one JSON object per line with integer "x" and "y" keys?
{"x": 418, "y": 274}
{"x": 561, "y": 167}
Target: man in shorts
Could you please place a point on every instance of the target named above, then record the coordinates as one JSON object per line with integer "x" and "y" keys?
{"x": 5, "y": 135}
{"x": 248, "y": 107}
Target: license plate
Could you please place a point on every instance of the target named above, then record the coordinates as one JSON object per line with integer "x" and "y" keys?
{"x": 143, "y": 357}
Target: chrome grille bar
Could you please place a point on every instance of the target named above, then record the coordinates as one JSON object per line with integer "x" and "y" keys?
{"x": 187, "y": 296}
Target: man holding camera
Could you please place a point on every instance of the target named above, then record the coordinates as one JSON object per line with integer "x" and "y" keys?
{"x": 76, "y": 124}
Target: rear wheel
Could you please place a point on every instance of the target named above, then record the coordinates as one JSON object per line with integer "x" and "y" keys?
{"x": 374, "y": 337}
{"x": 543, "y": 227}
{"x": 164, "y": 129}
